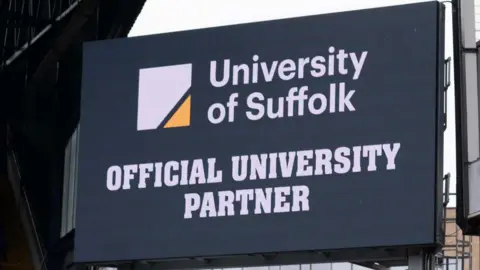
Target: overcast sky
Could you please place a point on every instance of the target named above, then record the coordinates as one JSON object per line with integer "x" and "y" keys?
{"x": 161, "y": 16}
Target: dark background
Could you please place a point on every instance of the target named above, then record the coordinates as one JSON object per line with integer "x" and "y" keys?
{"x": 395, "y": 100}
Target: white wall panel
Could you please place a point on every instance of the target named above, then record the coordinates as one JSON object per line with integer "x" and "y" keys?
{"x": 477, "y": 19}
{"x": 358, "y": 267}
{"x": 342, "y": 266}
{"x": 321, "y": 266}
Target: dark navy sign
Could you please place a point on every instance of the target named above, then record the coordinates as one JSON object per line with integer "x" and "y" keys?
{"x": 313, "y": 133}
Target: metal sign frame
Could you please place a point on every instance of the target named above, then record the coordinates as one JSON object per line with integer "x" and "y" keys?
{"x": 391, "y": 256}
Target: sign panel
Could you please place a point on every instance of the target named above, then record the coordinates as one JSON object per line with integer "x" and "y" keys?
{"x": 312, "y": 133}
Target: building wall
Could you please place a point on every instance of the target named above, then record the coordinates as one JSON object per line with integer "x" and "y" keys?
{"x": 458, "y": 246}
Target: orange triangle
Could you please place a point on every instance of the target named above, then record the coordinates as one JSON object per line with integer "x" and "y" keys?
{"x": 181, "y": 118}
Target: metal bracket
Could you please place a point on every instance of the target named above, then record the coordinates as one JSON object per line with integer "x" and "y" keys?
{"x": 446, "y": 198}
{"x": 447, "y": 73}
{"x": 446, "y": 84}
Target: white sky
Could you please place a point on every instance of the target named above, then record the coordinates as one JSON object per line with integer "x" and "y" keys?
{"x": 161, "y": 16}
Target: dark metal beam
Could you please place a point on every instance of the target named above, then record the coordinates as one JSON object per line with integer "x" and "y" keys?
{"x": 82, "y": 14}
{"x": 42, "y": 33}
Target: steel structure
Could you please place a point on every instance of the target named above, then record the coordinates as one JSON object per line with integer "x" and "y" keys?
{"x": 40, "y": 74}
{"x": 458, "y": 249}
{"x": 27, "y": 21}
{"x": 42, "y": 43}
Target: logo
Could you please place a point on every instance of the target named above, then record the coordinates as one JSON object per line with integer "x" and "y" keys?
{"x": 163, "y": 98}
